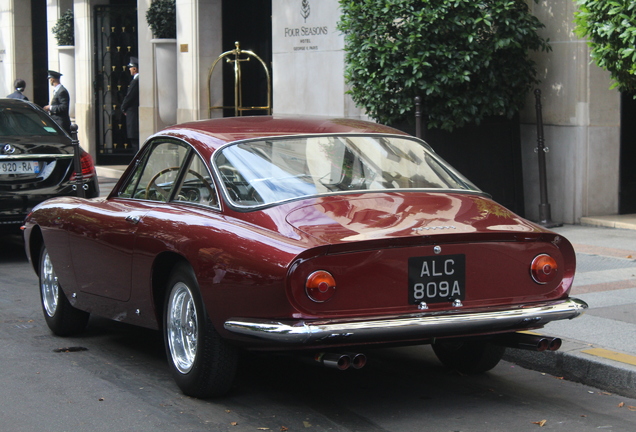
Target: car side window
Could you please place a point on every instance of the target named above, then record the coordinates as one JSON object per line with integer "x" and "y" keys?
{"x": 197, "y": 186}
{"x": 157, "y": 173}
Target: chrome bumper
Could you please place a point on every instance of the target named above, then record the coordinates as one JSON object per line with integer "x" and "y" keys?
{"x": 408, "y": 327}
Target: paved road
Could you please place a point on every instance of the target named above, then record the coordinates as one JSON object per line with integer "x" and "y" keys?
{"x": 121, "y": 383}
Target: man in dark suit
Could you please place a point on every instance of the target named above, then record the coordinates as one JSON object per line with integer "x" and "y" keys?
{"x": 59, "y": 106}
{"x": 130, "y": 105}
{"x": 19, "y": 86}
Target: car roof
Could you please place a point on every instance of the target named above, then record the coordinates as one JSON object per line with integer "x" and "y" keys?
{"x": 10, "y": 102}
{"x": 230, "y": 129}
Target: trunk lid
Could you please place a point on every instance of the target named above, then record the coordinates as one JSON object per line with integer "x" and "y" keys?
{"x": 383, "y": 247}
{"x": 345, "y": 219}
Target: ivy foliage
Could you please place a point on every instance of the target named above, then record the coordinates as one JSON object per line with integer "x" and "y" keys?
{"x": 64, "y": 29}
{"x": 611, "y": 28}
{"x": 161, "y": 17}
{"x": 466, "y": 59}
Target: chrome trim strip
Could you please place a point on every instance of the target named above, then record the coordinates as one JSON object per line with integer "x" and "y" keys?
{"x": 36, "y": 156}
{"x": 405, "y": 327}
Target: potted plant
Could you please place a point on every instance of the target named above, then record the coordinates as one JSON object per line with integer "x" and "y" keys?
{"x": 161, "y": 17}
{"x": 64, "y": 29}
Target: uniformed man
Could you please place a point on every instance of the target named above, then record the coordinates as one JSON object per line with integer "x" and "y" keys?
{"x": 19, "y": 85}
{"x": 59, "y": 106}
{"x": 130, "y": 105}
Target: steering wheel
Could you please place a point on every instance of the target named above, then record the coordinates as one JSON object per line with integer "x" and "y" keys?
{"x": 166, "y": 194}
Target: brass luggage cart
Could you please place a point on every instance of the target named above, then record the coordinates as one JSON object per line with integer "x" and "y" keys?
{"x": 234, "y": 56}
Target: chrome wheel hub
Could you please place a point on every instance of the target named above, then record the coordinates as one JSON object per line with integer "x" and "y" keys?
{"x": 182, "y": 327}
{"x": 48, "y": 286}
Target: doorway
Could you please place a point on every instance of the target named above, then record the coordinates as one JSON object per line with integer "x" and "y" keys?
{"x": 115, "y": 36}
{"x": 40, "y": 51}
{"x": 250, "y": 23}
{"x": 627, "y": 176}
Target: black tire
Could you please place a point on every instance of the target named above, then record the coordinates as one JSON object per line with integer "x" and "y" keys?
{"x": 202, "y": 363}
{"x": 469, "y": 356}
{"x": 61, "y": 317}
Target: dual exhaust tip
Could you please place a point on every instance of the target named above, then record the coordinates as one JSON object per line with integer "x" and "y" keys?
{"x": 529, "y": 342}
{"x": 341, "y": 361}
{"x": 344, "y": 361}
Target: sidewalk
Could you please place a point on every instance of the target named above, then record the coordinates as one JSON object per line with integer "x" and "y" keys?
{"x": 108, "y": 177}
{"x": 599, "y": 348}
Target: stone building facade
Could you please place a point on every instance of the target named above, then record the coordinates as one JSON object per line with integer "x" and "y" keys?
{"x": 299, "y": 42}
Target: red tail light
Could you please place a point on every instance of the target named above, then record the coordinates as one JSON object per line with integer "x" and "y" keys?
{"x": 320, "y": 286}
{"x": 88, "y": 167}
{"x": 544, "y": 268}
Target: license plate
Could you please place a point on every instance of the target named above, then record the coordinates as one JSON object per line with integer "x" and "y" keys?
{"x": 20, "y": 167}
{"x": 436, "y": 279}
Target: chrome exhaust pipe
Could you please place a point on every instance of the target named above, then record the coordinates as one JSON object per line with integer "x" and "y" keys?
{"x": 334, "y": 360}
{"x": 358, "y": 360}
{"x": 555, "y": 344}
{"x": 529, "y": 342}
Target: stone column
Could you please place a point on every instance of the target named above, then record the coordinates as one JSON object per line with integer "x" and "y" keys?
{"x": 15, "y": 47}
{"x": 581, "y": 119}
{"x": 84, "y": 110}
{"x": 199, "y": 42}
{"x": 149, "y": 122}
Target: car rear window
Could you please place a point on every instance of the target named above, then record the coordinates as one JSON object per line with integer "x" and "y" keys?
{"x": 26, "y": 122}
{"x": 263, "y": 172}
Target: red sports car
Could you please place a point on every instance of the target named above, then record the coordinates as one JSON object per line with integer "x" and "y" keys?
{"x": 302, "y": 235}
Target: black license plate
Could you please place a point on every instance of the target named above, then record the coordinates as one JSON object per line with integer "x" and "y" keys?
{"x": 436, "y": 279}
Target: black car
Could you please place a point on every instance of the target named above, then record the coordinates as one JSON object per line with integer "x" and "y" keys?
{"x": 36, "y": 162}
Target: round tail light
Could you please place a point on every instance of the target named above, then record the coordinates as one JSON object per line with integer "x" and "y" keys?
{"x": 320, "y": 286}
{"x": 544, "y": 269}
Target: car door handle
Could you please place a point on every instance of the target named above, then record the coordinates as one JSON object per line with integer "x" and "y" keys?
{"x": 133, "y": 219}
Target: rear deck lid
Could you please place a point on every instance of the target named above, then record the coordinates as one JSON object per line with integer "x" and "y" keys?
{"x": 377, "y": 216}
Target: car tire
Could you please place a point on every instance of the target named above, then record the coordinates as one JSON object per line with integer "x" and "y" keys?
{"x": 202, "y": 363}
{"x": 469, "y": 356}
{"x": 61, "y": 317}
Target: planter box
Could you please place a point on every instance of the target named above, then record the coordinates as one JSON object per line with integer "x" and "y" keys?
{"x": 66, "y": 55}
{"x": 166, "y": 79}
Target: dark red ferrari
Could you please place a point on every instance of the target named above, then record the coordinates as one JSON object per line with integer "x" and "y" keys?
{"x": 301, "y": 235}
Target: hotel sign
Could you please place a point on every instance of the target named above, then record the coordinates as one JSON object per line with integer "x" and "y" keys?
{"x": 302, "y": 26}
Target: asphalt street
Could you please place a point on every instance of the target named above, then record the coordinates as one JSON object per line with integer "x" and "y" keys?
{"x": 115, "y": 377}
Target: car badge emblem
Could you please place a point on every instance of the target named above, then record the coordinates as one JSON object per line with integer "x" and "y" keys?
{"x": 433, "y": 228}
{"x": 8, "y": 149}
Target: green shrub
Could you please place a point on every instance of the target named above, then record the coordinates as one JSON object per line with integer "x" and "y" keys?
{"x": 162, "y": 19}
{"x": 611, "y": 27}
{"x": 467, "y": 59}
{"x": 64, "y": 30}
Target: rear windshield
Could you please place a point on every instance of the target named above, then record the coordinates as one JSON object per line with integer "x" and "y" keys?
{"x": 25, "y": 121}
{"x": 263, "y": 172}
